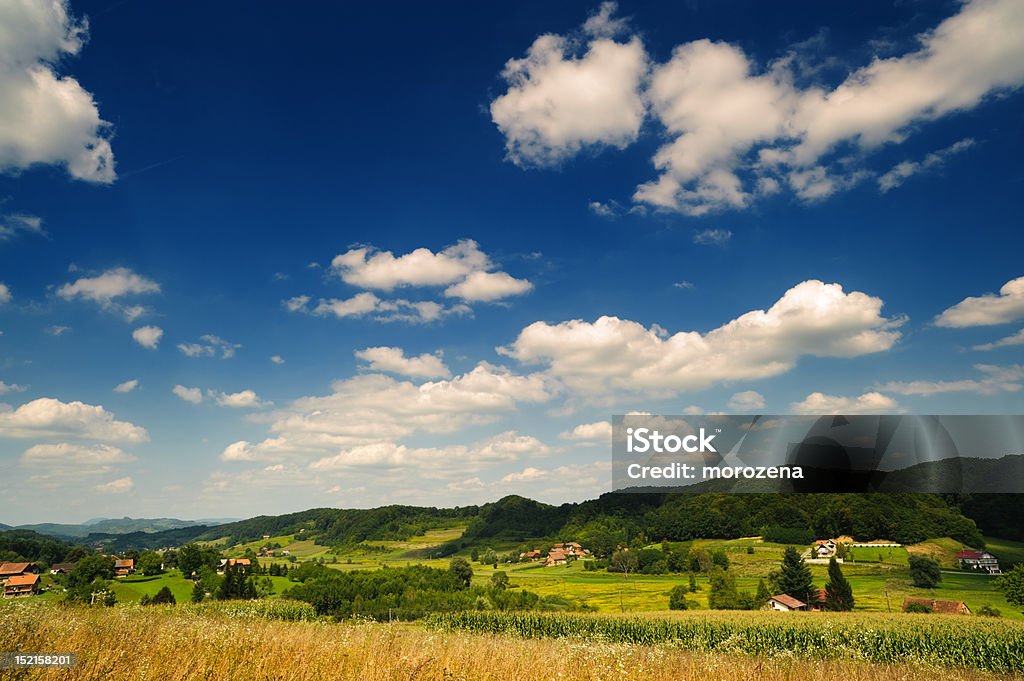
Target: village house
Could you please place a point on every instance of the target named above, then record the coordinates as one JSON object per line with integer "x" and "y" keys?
{"x": 825, "y": 548}
{"x": 530, "y": 555}
{"x": 26, "y": 584}
{"x": 232, "y": 562}
{"x": 8, "y": 570}
{"x": 61, "y": 568}
{"x": 557, "y": 557}
{"x": 785, "y": 603}
{"x": 938, "y": 607}
{"x": 124, "y": 567}
{"x": 976, "y": 559}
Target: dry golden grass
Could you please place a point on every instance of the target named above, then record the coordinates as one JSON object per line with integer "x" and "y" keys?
{"x": 172, "y": 644}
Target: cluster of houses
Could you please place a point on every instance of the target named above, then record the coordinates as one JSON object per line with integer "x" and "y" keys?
{"x": 19, "y": 579}
{"x": 266, "y": 552}
{"x": 559, "y": 554}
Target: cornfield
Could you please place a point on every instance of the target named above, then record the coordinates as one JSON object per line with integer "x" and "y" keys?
{"x": 215, "y": 641}
{"x": 949, "y": 641}
{"x": 267, "y": 608}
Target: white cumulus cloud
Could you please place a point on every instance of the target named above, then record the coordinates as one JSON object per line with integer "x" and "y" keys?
{"x": 868, "y": 403}
{"x": 812, "y": 318}
{"x": 148, "y": 336}
{"x": 988, "y": 309}
{"x": 193, "y": 395}
{"x": 393, "y": 361}
{"x": 45, "y": 117}
{"x": 570, "y": 94}
{"x": 49, "y": 417}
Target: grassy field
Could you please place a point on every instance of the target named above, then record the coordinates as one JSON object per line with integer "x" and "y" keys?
{"x": 182, "y": 643}
{"x": 878, "y": 586}
{"x": 1008, "y": 552}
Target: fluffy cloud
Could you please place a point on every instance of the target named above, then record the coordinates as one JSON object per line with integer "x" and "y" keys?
{"x": 868, "y": 403}
{"x": 19, "y": 223}
{"x": 209, "y": 346}
{"x": 394, "y": 361}
{"x": 374, "y": 408}
{"x": 599, "y": 431}
{"x": 69, "y": 453}
{"x": 193, "y": 395}
{"x": 277, "y": 359}
{"x": 244, "y": 399}
{"x": 46, "y": 118}
{"x": 105, "y": 287}
{"x": 11, "y": 388}
{"x": 368, "y": 268}
{"x": 988, "y": 309}
{"x": 747, "y": 401}
{"x": 739, "y": 131}
{"x": 1008, "y": 341}
{"x": 148, "y": 336}
{"x": 569, "y": 94}
{"x": 463, "y": 268}
{"x": 506, "y": 447}
{"x": 49, "y": 417}
{"x": 127, "y": 386}
{"x": 812, "y": 318}
{"x": 487, "y": 287}
{"x": 119, "y": 486}
{"x": 5, "y": 293}
{"x": 994, "y": 380}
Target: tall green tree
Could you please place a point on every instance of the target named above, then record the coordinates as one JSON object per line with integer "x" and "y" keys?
{"x": 461, "y": 568}
{"x": 150, "y": 563}
{"x": 763, "y": 594}
{"x": 838, "y": 592}
{"x": 1012, "y": 584}
{"x": 723, "y": 594}
{"x": 924, "y": 572}
{"x": 795, "y": 577}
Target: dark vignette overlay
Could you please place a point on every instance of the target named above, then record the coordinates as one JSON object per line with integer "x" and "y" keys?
{"x": 851, "y": 453}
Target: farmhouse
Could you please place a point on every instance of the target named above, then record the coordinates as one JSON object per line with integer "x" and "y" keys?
{"x": 530, "y": 555}
{"x": 61, "y": 568}
{"x": 785, "y": 603}
{"x": 938, "y": 607}
{"x": 975, "y": 559}
{"x": 21, "y": 585}
{"x": 8, "y": 570}
{"x": 124, "y": 567}
{"x": 825, "y": 548}
{"x": 232, "y": 562}
{"x": 557, "y": 557}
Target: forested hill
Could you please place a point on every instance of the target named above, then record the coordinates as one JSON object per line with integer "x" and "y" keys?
{"x": 626, "y": 518}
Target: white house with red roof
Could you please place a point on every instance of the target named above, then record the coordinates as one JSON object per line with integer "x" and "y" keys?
{"x": 979, "y": 559}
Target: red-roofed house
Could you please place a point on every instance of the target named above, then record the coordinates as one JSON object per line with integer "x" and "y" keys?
{"x": 556, "y": 557}
{"x": 785, "y": 603}
{"x": 939, "y": 607}
{"x": 21, "y": 585}
{"x": 8, "y": 570}
{"x": 977, "y": 559}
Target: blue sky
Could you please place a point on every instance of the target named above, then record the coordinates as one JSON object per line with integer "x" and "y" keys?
{"x": 470, "y": 235}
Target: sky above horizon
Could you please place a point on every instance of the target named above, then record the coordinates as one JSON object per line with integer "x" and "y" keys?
{"x": 253, "y": 263}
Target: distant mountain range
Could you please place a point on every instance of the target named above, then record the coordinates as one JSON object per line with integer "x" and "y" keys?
{"x": 115, "y": 526}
